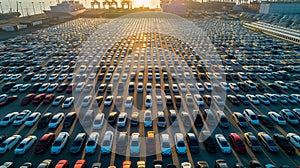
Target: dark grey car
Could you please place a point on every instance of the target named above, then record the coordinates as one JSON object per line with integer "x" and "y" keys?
{"x": 78, "y": 143}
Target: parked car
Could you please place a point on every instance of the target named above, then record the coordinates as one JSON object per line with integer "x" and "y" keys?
{"x": 59, "y": 143}
{"x": 223, "y": 144}
{"x": 44, "y": 143}
{"x": 25, "y": 145}
{"x": 78, "y": 143}
{"x": 9, "y": 143}
{"x": 252, "y": 142}
{"x": 268, "y": 142}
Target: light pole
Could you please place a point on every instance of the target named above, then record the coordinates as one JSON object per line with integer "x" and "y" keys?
{"x": 41, "y": 7}
{"x": 22, "y": 12}
{"x": 1, "y": 7}
{"x": 33, "y": 7}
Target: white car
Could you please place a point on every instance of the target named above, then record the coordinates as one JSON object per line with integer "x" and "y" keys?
{"x": 175, "y": 88}
{"x": 79, "y": 87}
{"x": 86, "y": 101}
{"x": 189, "y": 99}
{"x": 68, "y": 102}
{"x": 148, "y": 101}
{"x": 62, "y": 77}
{"x": 225, "y": 86}
{"x": 106, "y": 144}
{"x": 234, "y": 86}
{"x": 199, "y": 100}
{"x": 8, "y": 118}
{"x": 148, "y": 87}
{"x": 289, "y": 116}
{"x": 165, "y": 145}
{"x": 208, "y": 86}
{"x": 223, "y": 143}
{"x": 98, "y": 122}
{"x": 16, "y": 88}
{"x": 44, "y": 87}
{"x": 35, "y": 77}
{"x": 296, "y": 112}
{"x": 159, "y": 99}
{"x": 129, "y": 102}
{"x": 200, "y": 87}
{"x": 22, "y": 117}
{"x": 56, "y": 120}
{"x": 122, "y": 119}
{"x": 253, "y": 99}
{"x": 92, "y": 143}
{"x": 52, "y": 87}
{"x": 108, "y": 100}
{"x": 263, "y": 99}
{"x": 59, "y": 143}
{"x": 24, "y": 87}
{"x": 294, "y": 139}
{"x": 186, "y": 165}
{"x": 32, "y": 119}
{"x": 251, "y": 117}
{"x": 281, "y": 84}
{"x": 148, "y": 118}
{"x": 58, "y": 100}
{"x": 140, "y": 87}
{"x": 182, "y": 87}
{"x": 25, "y": 145}
{"x": 179, "y": 143}
{"x": 52, "y": 77}
{"x": 43, "y": 77}
{"x": 277, "y": 118}
{"x": 9, "y": 143}
{"x": 218, "y": 100}
{"x": 135, "y": 143}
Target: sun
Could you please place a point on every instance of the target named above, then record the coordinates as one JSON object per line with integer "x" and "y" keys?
{"x": 139, "y": 3}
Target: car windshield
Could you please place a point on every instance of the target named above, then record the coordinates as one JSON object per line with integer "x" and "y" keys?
{"x": 166, "y": 145}
{"x": 21, "y": 145}
{"x": 98, "y": 121}
{"x": 180, "y": 144}
{"x": 41, "y": 143}
{"x": 255, "y": 143}
{"x": 5, "y": 119}
{"x": 57, "y": 143}
{"x": 106, "y": 143}
{"x": 224, "y": 143}
{"x": 134, "y": 143}
{"x": 91, "y": 143}
{"x": 253, "y": 117}
{"x": 76, "y": 143}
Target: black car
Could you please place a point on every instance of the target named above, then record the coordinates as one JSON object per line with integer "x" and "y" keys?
{"x": 27, "y": 165}
{"x": 243, "y": 86}
{"x": 275, "y": 87}
{"x": 233, "y": 99}
{"x": 29, "y": 76}
{"x": 35, "y": 87}
{"x": 122, "y": 143}
{"x": 8, "y": 86}
{"x": 193, "y": 142}
{"x": 78, "y": 143}
{"x": 284, "y": 144}
{"x": 266, "y": 121}
{"x": 198, "y": 120}
{"x": 158, "y": 163}
{"x": 112, "y": 117}
{"x": 171, "y": 166}
{"x": 242, "y": 99}
{"x": 44, "y": 121}
{"x": 62, "y": 87}
{"x": 70, "y": 117}
{"x": 255, "y": 164}
{"x": 259, "y": 87}
{"x": 202, "y": 164}
{"x": 210, "y": 145}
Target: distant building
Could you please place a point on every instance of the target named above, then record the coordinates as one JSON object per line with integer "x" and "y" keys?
{"x": 176, "y": 7}
{"x": 280, "y": 8}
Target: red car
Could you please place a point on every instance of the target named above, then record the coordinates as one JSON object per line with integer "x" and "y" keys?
{"x": 119, "y": 101}
{"x": 62, "y": 164}
{"x": 9, "y": 100}
{"x": 27, "y": 99}
{"x": 150, "y": 142}
{"x": 70, "y": 88}
{"x": 237, "y": 142}
{"x": 127, "y": 164}
{"x": 48, "y": 98}
{"x": 38, "y": 99}
{"x": 44, "y": 143}
{"x": 80, "y": 164}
